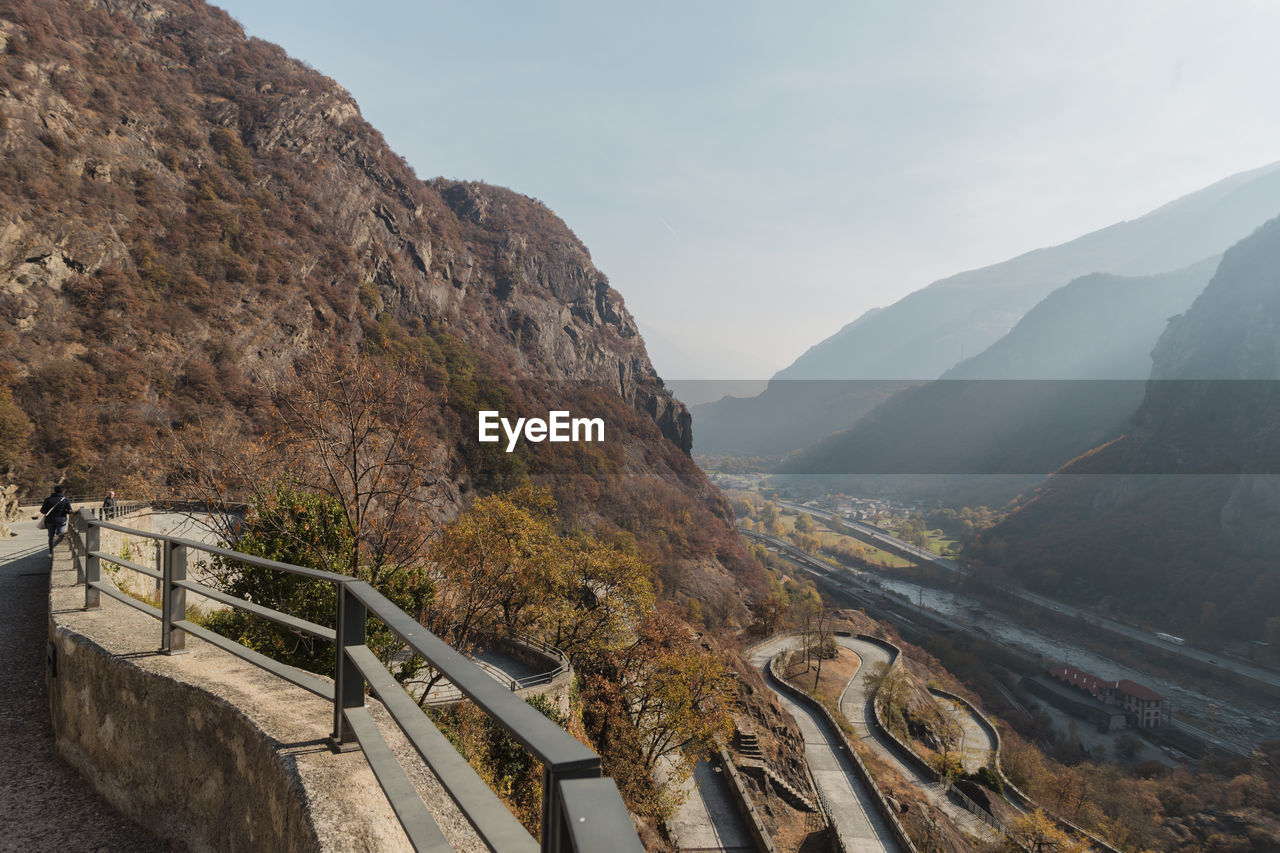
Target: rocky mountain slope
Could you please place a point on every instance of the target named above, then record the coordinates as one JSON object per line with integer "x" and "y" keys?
{"x": 185, "y": 212}
{"x": 1174, "y": 523}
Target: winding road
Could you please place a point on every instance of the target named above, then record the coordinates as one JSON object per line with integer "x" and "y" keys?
{"x": 977, "y": 747}
{"x": 851, "y": 806}
{"x": 855, "y": 704}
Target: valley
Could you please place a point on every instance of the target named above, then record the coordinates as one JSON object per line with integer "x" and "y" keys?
{"x": 989, "y": 566}
{"x": 1235, "y": 714}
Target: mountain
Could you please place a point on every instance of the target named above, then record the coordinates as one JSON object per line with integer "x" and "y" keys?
{"x": 1063, "y": 381}
{"x": 1174, "y": 524}
{"x": 185, "y": 213}
{"x": 932, "y": 330}
{"x": 1099, "y": 326}
{"x": 786, "y": 415}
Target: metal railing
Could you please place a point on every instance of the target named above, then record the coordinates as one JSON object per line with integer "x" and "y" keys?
{"x": 581, "y": 810}
{"x": 444, "y": 693}
{"x": 121, "y": 508}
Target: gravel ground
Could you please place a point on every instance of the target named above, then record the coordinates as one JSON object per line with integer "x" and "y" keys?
{"x": 45, "y": 806}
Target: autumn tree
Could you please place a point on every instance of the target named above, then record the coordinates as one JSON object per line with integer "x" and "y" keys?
{"x": 345, "y": 426}
{"x": 675, "y": 693}
{"x": 768, "y": 614}
{"x": 358, "y": 431}
{"x": 1038, "y": 833}
{"x": 822, "y": 641}
{"x": 303, "y": 528}
{"x": 888, "y": 684}
{"x": 600, "y": 592}
{"x": 806, "y": 616}
{"x": 343, "y": 481}
{"x": 494, "y": 567}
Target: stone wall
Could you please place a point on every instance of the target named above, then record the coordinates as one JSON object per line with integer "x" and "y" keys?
{"x": 208, "y": 751}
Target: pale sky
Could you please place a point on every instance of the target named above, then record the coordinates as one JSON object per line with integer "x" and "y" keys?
{"x": 753, "y": 176}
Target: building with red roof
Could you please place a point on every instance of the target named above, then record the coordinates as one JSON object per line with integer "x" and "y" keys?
{"x": 1145, "y": 708}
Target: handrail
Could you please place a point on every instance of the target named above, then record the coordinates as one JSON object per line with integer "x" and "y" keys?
{"x": 580, "y": 807}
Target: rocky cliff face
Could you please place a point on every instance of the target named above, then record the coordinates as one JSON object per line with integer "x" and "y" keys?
{"x": 184, "y": 212}
{"x": 145, "y": 99}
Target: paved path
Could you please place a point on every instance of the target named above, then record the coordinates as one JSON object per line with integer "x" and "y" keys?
{"x": 855, "y": 704}
{"x": 977, "y": 747}
{"x": 709, "y": 818}
{"x": 45, "y": 806}
{"x": 852, "y": 806}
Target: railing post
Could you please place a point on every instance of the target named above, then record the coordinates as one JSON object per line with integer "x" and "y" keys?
{"x": 79, "y": 529}
{"x": 556, "y": 836}
{"x": 160, "y": 567}
{"x": 92, "y": 566}
{"x": 173, "y": 599}
{"x": 348, "y": 687}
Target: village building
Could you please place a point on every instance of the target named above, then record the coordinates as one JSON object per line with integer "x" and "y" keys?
{"x": 1143, "y": 707}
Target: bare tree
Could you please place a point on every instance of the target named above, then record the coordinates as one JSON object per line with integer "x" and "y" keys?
{"x": 361, "y": 433}
{"x": 347, "y": 427}
{"x": 824, "y": 640}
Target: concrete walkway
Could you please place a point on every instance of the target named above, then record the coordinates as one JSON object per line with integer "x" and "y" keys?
{"x": 853, "y": 812}
{"x": 855, "y": 704}
{"x": 977, "y": 747}
{"x": 709, "y": 818}
{"x": 45, "y": 806}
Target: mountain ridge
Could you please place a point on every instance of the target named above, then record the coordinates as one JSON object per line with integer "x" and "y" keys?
{"x": 1174, "y": 523}
{"x": 1207, "y": 221}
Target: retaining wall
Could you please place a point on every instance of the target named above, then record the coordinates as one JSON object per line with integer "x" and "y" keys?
{"x": 746, "y": 806}
{"x": 208, "y": 751}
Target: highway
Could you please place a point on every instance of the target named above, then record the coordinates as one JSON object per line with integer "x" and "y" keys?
{"x": 945, "y": 609}
{"x": 878, "y": 537}
{"x": 873, "y": 535}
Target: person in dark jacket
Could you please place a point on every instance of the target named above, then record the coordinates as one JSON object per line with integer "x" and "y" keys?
{"x": 56, "y": 508}
{"x": 109, "y": 505}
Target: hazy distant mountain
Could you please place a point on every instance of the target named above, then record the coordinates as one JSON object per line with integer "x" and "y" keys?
{"x": 1177, "y": 522}
{"x": 925, "y": 334}
{"x": 1099, "y": 326}
{"x": 929, "y": 331}
{"x": 787, "y": 415}
{"x": 1063, "y": 381}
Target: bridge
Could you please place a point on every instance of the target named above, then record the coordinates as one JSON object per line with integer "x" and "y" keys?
{"x": 204, "y": 735}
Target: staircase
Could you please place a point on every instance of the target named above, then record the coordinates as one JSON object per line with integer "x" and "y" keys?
{"x": 754, "y": 764}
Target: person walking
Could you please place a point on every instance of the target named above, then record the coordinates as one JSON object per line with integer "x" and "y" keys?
{"x": 55, "y": 509}
{"x": 109, "y": 505}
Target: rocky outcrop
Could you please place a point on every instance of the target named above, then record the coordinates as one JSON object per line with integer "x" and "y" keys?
{"x": 186, "y": 138}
